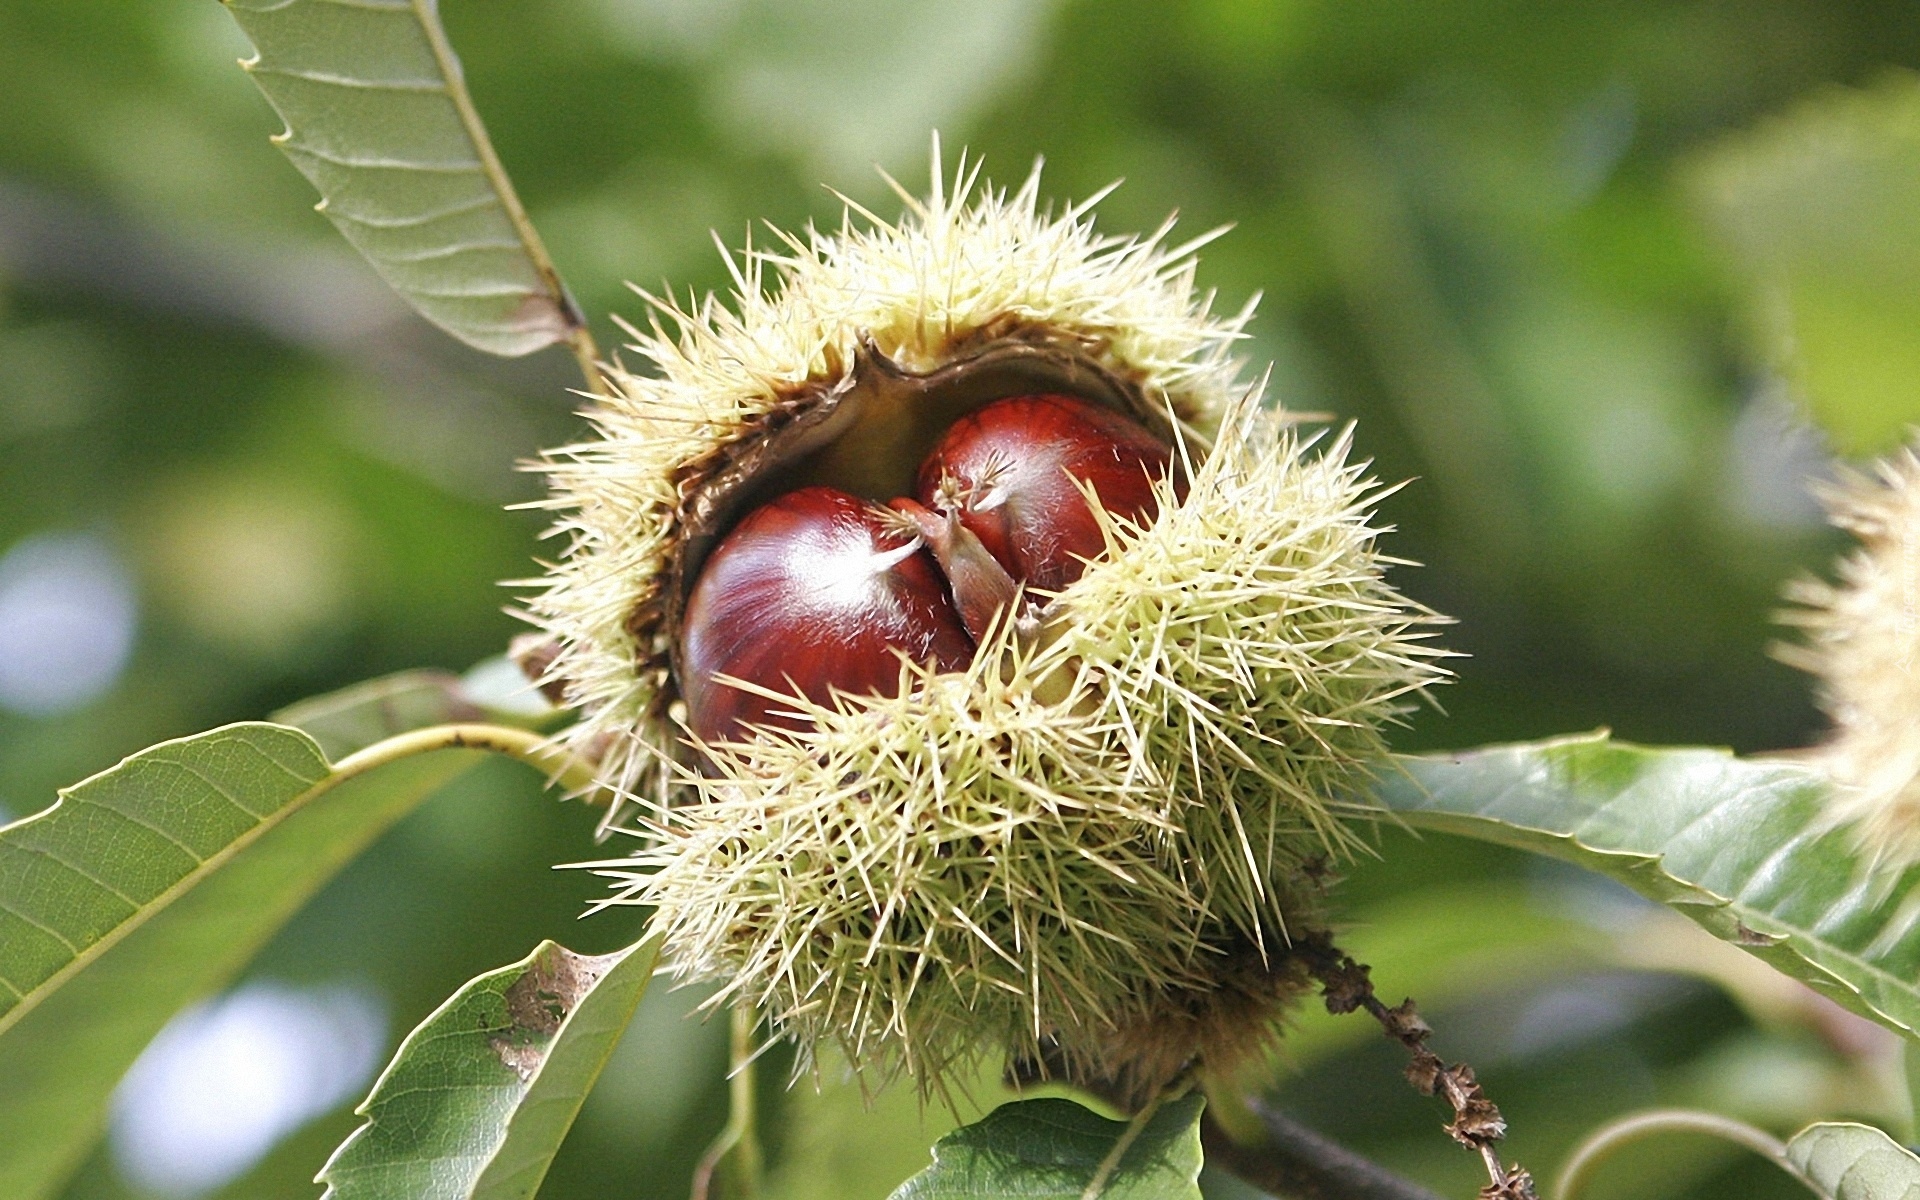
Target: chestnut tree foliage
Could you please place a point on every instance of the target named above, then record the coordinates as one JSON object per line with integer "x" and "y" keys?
{"x": 1552, "y": 425}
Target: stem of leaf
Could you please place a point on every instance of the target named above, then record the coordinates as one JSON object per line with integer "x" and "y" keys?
{"x": 563, "y": 770}
{"x": 1603, "y": 1142}
{"x": 579, "y": 339}
{"x": 1910, "y": 1063}
{"x": 587, "y": 354}
{"x": 738, "y": 1144}
{"x": 1111, "y": 1163}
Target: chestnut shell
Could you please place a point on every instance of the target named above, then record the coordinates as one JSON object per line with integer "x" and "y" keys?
{"x": 1013, "y": 471}
{"x": 814, "y": 592}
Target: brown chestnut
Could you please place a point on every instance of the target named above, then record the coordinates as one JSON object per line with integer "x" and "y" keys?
{"x": 1009, "y": 470}
{"x": 812, "y": 592}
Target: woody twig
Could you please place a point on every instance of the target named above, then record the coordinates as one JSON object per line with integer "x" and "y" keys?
{"x": 1477, "y": 1123}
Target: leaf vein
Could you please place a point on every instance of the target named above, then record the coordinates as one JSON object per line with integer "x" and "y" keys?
{"x": 477, "y": 293}
{"x": 51, "y": 932}
{"x": 332, "y": 79}
{"x": 453, "y": 249}
{"x": 357, "y": 162}
{"x": 466, "y": 206}
{"x": 87, "y": 874}
{"x": 220, "y": 791}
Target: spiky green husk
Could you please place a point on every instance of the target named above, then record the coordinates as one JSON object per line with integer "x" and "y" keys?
{"x": 1088, "y": 850}
{"x": 962, "y": 266}
{"x": 1058, "y": 852}
{"x": 1863, "y": 642}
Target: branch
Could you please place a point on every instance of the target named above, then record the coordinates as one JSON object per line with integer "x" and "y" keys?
{"x": 1293, "y": 1161}
{"x": 1477, "y": 1123}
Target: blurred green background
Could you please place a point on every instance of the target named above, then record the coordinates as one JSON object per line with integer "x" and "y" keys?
{"x": 1578, "y": 269}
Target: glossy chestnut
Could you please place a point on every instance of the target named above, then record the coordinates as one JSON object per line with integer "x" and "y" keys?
{"x": 1009, "y": 470}
{"x": 812, "y": 592}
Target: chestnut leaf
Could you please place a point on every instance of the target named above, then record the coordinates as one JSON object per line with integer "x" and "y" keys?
{"x": 479, "y": 1097}
{"x": 147, "y": 887}
{"x": 378, "y": 118}
{"x": 151, "y": 885}
{"x": 1052, "y": 1149}
{"x": 1743, "y": 847}
{"x": 1846, "y": 1161}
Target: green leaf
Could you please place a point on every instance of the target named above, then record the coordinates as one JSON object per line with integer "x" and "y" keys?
{"x": 478, "y": 1099}
{"x": 149, "y": 886}
{"x": 1050, "y": 1149}
{"x": 1742, "y": 847}
{"x": 1821, "y": 207}
{"x": 379, "y": 119}
{"x": 1855, "y": 1162}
